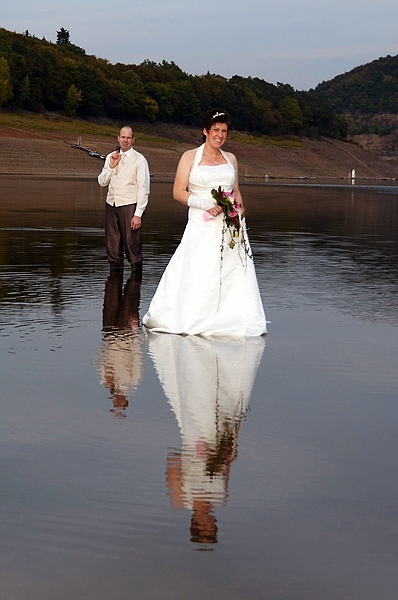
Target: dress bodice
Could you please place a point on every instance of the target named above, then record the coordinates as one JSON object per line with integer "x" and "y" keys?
{"x": 204, "y": 178}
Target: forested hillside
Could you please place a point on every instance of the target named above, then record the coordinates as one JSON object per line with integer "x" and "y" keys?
{"x": 38, "y": 75}
{"x": 370, "y": 88}
{"x": 368, "y": 95}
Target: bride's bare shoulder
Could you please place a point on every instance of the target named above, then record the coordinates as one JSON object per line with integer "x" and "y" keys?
{"x": 232, "y": 158}
{"x": 187, "y": 159}
{"x": 190, "y": 154}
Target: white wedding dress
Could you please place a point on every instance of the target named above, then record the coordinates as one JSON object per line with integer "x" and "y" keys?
{"x": 205, "y": 290}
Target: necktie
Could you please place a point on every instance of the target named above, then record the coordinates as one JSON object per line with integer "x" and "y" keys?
{"x": 120, "y": 163}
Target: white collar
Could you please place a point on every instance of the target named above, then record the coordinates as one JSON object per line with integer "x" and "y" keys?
{"x": 128, "y": 152}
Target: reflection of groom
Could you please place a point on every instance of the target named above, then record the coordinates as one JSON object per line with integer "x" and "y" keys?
{"x": 120, "y": 357}
{"x": 120, "y": 310}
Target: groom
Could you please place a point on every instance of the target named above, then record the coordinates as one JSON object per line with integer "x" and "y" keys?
{"x": 126, "y": 174}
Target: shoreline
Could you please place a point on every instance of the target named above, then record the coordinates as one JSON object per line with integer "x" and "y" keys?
{"x": 26, "y": 154}
{"x": 254, "y": 181}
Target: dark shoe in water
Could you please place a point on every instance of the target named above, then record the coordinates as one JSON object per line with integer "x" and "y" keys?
{"x": 116, "y": 268}
{"x": 136, "y": 267}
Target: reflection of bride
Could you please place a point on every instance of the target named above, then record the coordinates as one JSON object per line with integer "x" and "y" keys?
{"x": 208, "y": 383}
{"x": 120, "y": 359}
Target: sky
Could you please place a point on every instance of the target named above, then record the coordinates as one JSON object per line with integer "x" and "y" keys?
{"x": 296, "y": 42}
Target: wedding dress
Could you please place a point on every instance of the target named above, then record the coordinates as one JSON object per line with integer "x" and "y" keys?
{"x": 208, "y": 288}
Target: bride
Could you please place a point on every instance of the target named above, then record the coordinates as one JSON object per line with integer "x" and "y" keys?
{"x": 209, "y": 287}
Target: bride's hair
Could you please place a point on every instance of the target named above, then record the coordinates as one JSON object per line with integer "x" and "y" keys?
{"x": 215, "y": 116}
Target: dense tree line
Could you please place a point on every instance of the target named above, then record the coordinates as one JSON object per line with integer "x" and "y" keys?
{"x": 368, "y": 89}
{"x": 42, "y": 76}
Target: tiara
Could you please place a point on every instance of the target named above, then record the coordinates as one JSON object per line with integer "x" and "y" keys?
{"x": 217, "y": 114}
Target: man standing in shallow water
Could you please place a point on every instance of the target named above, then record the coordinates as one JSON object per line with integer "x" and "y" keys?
{"x": 126, "y": 174}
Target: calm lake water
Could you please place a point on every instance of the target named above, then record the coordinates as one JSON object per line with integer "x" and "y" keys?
{"x": 159, "y": 467}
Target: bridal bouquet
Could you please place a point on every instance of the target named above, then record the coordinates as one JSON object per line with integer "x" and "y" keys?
{"x": 233, "y": 215}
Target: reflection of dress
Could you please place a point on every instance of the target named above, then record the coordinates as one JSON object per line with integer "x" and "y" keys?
{"x": 208, "y": 383}
{"x": 199, "y": 293}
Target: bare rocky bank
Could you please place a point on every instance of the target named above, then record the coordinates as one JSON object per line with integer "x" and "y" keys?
{"x": 29, "y": 154}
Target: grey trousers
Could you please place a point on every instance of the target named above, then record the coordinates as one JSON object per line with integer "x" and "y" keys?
{"x": 119, "y": 237}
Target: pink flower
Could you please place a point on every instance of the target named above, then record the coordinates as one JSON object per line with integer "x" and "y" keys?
{"x": 206, "y": 216}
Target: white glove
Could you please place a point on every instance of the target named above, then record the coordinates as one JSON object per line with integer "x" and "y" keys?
{"x": 198, "y": 202}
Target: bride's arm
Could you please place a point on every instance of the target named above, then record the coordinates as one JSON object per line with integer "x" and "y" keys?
{"x": 236, "y": 189}
{"x": 180, "y": 188}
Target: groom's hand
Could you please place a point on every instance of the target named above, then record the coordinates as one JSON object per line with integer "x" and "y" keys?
{"x": 135, "y": 223}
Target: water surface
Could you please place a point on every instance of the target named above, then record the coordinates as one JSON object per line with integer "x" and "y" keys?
{"x": 136, "y": 466}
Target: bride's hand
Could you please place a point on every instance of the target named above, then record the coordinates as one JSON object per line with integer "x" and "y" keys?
{"x": 215, "y": 210}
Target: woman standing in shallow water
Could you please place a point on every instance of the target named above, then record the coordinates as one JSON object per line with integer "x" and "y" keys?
{"x": 209, "y": 286}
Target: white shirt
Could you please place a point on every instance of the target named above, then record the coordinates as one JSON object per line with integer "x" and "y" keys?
{"x": 128, "y": 182}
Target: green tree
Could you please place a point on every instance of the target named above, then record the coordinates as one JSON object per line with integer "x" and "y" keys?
{"x": 163, "y": 94}
{"x": 5, "y": 82}
{"x": 186, "y": 104}
{"x": 151, "y": 109}
{"x": 93, "y": 87}
{"x": 24, "y": 92}
{"x": 42, "y": 75}
{"x": 72, "y": 100}
{"x": 63, "y": 36}
{"x": 126, "y": 96}
{"x": 290, "y": 111}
